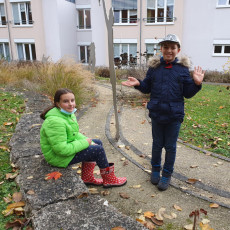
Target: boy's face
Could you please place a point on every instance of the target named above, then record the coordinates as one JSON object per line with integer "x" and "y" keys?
{"x": 169, "y": 51}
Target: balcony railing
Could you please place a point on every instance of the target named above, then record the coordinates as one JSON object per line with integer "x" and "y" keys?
{"x": 159, "y": 19}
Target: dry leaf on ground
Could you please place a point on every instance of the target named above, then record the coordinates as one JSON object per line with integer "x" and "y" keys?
{"x": 178, "y": 208}
{"x": 191, "y": 181}
{"x": 124, "y": 195}
{"x": 214, "y": 205}
{"x": 148, "y": 214}
{"x": 188, "y": 227}
{"x": 205, "y": 227}
{"x": 149, "y": 225}
{"x": 53, "y": 175}
{"x": 157, "y": 222}
{"x": 17, "y": 196}
{"x": 84, "y": 194}
{"x": 159, "y": 214}
{"x": 118, "y": 228}
{"x": 93, "y": 191}
{"x": 31, "y": 192}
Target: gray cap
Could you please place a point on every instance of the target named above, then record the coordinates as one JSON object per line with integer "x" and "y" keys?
{"x": 171, "y": 38}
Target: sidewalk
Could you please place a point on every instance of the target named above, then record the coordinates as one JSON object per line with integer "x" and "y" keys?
{"x": 55, "y": 204}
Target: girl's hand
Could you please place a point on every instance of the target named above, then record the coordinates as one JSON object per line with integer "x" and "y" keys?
{"x": 198, "y": 75}
{"x": 89, "y": 141}
{"x": 131, "y": 82}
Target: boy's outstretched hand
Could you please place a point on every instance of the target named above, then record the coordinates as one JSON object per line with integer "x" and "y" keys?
{"x": 132, "y": 81}
{"x": 198, "y": 75}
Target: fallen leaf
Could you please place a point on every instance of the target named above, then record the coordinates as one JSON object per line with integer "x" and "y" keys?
{"x": 149, "y": 225}
{"x": 178, "y": 208}
{"x": 8, "y": 123}
{"x": 143, "y": 121}
{"x": 17, "y": 196}
{"x": 84, "y": 194}
{"x": 4, "y": 148}
{"x": 105, "y": 193}
{"x": 16, "y": 223}
{"x": 124, "y": 195}
{"x": 194, "y": 166}
{"x": 136, "y": 186}
{"x": 11, "y": 176}
{"x": 121, "y": 146}
{"x": 1, "y": 182}
{"x": 214, "y": 205}
{"x": 123, "y": 159}
{"x": 205, "y": 221}
{"x": 141, "y": 218}
{"x": 19, "y": 211}
{"x": 127, "y": 147}
{"x": 188, "y": 227}
{"x": 53, "y": 175}
{"x": 148, "y": 214}
{"x": 75, "y": 167}
{"x": 79, "y": 171}
{"x": 191, "y": 181}
{"x": 93, "y": 191}
{"x": 159, "y": 214}
{"x": 118, "y": 228}
{"x": 157, "y": 222}
{"x": 31, "y": 192}
{"x": 126, "y": 163}
{"x": 16, "y": 205}
{"x": 139, "y": 211}
{"x": 147, "y": 170}
{"x": 30, "y": 177}
{"x": 7, "y": 199}
{"x": 174, "y": 215}
{"x": 8, "y": 212}
{"x": 34, "y": 125}
{"x": 167, "y": 216}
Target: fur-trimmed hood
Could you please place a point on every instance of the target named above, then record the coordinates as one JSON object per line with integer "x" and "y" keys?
{"x": 155, "y": 61}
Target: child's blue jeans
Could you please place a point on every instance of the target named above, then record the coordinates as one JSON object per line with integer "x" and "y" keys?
{"x": 165, "y": 136}
{"x": 92, "y": 153}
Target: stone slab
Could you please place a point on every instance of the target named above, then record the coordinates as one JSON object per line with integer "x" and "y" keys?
{"x": 33, "y": 171}
{"x": 86, "y": 213}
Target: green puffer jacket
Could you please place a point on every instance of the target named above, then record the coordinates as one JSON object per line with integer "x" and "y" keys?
{"x": 60, "y": 138}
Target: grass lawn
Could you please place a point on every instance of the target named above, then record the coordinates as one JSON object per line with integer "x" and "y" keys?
{"x": 11, "y": 107}
{"x": 207, "y": 118}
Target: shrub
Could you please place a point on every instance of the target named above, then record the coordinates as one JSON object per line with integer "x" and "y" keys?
{"x": 102, "y": 72}
{"x": 216, "y": 76}
{"x": 47, "y": 77}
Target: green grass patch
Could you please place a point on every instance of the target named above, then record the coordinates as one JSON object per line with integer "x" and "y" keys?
{"x": 206, "y": 123}
{"x": 11, "y": 107}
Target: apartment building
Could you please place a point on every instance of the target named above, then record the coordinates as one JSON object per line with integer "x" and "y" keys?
{"x": 31, "y": 30}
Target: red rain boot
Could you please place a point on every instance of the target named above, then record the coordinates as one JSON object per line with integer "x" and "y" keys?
{"x": 87, "y": 174}
{"x": 109, "y": 179}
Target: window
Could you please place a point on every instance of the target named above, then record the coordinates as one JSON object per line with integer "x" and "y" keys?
{"x": 221, "y": 49}
{"x": 125, "y": 54}
{"x": 160, "y": 11}
{"x": 22, "y": 13}
{"x": 26, "y": 52}
{"x": 2, "y": 15}
{"x": 73, "y": 1}
{"x": 125, "y": 11}
{"x": 152, "y": 50}
{"x": 84, "y": 19}
{"x": 4, "y": 51}
{"x": 223, "y": 2}
{"x": 84, "y": 54}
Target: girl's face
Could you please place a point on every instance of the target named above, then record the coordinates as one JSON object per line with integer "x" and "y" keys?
{"x": 67, "y": 102}
{"x": 169, "y": 51}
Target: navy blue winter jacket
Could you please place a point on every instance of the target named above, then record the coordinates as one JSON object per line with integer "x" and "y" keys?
{"x": 168, "y": 84}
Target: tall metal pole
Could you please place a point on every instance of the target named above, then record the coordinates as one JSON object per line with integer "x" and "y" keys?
{"x": 140, "y": 31}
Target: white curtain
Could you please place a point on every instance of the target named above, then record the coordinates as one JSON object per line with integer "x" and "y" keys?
{"x": 20, "y": 51}
{"x": 15, "y": 13}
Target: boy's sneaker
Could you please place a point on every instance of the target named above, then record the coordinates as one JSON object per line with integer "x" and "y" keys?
{"x": 164, "y": 181}
{"x": 155, "y": 176}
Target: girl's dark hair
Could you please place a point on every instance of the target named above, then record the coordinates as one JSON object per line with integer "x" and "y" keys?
{"x": 57, "y": 97}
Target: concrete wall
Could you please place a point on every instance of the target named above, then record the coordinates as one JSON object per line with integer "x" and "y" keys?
{"x": 60, "y": 24}
{"x": 203, "y": 23}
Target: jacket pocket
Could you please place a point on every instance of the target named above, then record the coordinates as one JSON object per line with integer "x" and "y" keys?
{"x": 177, "y": 109}
{"x": 153, "y": 105}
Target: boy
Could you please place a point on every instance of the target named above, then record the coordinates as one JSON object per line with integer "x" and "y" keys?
{"x": 168, "y": 81}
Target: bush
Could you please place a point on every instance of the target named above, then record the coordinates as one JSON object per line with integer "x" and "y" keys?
{"x": 102, "y": 72}
{"x": 48, "y": 77}
{"x": 216, "y": 76}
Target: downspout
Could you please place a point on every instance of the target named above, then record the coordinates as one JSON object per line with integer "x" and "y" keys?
{"x": 8, "y": 25}
{"x": 140, "y": 31}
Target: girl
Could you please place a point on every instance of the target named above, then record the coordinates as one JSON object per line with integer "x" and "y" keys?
{"x": 62, "y": 144}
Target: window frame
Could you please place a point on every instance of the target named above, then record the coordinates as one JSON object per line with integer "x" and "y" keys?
{"x": 28, "y": 13}
{"x": 31, "y": 55}
{"x": 86, "y": 53}
{"x": 1, "y": 16}
{"x": 85, "y": 18}
{"x": 121, "y": 44}
{"x": 156, "y": 20}
{"x": 156, "y": 49}
{"x": 3, "y": 43}
{"x": 128, "y": 20}
{"x": 222, "y": 44}
{"x": 227, "y": 4}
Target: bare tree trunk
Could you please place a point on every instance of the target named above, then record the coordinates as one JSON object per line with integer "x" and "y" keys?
{"x": 109, "y": 25}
